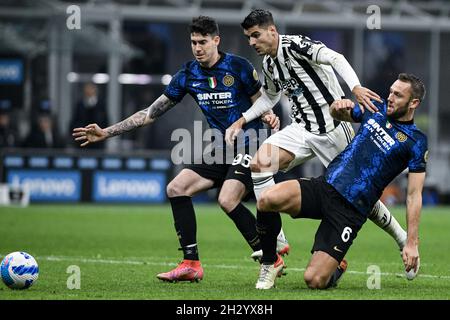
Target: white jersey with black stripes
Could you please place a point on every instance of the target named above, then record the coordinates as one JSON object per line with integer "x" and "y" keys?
{"x": 311, "y": 86}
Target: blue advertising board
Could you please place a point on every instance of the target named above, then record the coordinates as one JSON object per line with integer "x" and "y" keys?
{"x": 125, "y": 186}
{"x": 48, "y": 185}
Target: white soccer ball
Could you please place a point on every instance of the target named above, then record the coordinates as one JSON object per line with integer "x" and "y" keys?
{"x": 412, "y": 274}
{"x": 19, "y": 270}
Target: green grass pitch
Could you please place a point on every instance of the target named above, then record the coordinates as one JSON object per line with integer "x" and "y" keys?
{"x": 119, "y": 250}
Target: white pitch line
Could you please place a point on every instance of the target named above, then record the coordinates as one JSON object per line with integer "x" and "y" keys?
{"x": 218, "y": 266}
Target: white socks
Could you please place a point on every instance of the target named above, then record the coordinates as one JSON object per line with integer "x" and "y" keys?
{"x": 381, "y": 216}
{"x": 261, "y": 181}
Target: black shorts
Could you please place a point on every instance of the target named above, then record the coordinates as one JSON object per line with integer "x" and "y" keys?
{"x": 239, "y": 170}
{"x": 340, "y": 219}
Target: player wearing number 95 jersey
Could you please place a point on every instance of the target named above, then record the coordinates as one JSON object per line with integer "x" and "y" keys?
{"x": 224, "y": 86}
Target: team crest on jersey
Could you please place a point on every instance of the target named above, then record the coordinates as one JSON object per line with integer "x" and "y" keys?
{"x": 401, "y": 137}
{"x": 212, "y": 82}
{"x": 228, "y": 80}
{"x": 255, "y": 75}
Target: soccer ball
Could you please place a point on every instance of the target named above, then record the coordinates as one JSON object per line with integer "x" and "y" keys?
{"x": 19, "y": 270}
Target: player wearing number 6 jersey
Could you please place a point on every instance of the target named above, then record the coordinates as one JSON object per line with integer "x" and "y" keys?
{"x": 386, "y": 144}
{"x": 224, "y": 86}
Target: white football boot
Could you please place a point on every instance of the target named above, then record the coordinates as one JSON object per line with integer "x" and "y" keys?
{"x": 269, "y": 272}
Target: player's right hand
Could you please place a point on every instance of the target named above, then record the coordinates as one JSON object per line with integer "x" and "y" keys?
{"x": 344, "y": 104}
{"x": 89, "y": 134}
{"x": 410, "y": 256}
{"x": 233, "y": 130}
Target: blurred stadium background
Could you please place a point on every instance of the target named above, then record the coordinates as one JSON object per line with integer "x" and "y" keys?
{"x": 128, "y": 50}
{"x": 55, "y": 75}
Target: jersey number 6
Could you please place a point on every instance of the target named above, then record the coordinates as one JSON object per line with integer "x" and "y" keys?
{"x": 345, "y": 236}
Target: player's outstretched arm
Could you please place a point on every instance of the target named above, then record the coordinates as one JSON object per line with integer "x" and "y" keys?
{"x": 344, "y": 69}
{"x": 413, "y": 207}
{"x": 93, "y": 133}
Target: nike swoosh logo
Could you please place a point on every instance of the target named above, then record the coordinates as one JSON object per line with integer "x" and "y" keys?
{"x": 238, "y": 172}
{"x": 337, "y": 249}
{"x": 196, "y": 84}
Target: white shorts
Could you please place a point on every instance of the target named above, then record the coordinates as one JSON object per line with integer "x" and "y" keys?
{"x": 306, "y": 145}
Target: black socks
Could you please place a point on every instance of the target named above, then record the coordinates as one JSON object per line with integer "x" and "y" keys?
{"x": 335, "y": 278}
{"x": 268, "y": 226}
{"x": 185, "y": 225}
{"x": 245, "y": 221}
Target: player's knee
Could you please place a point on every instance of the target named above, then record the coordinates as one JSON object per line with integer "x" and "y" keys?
{"x": 268, "y": 201}
{"x": 254, "y": 167}
{"x": 314, "y": 280}
{"x": 227, "y": 203}
{"x": 258, "y": 164}
{"x": 176, "y": 189}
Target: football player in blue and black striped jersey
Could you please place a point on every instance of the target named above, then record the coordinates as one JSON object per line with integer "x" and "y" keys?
{"x": 224, "y": 86}
{"x": 387, "y": 143}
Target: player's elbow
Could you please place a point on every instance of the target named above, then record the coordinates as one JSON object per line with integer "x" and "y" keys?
{"x": 272, "y": 99}
{"x": 147, "y": 121}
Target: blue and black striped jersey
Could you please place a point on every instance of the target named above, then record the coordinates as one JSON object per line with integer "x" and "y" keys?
{"x": 380, "y": 151}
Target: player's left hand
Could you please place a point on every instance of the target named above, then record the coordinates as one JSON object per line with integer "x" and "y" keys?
{"x": 90, "y": 134}
{"x": 410, "y": 257}
{"x": 272, "y": 120}
{"x": 364, "y": 97}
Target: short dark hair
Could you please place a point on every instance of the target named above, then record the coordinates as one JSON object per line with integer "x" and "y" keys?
{"x": 258, "y": 17}
{"x": 204, "y": 25}
{"x": 417, "y": 87}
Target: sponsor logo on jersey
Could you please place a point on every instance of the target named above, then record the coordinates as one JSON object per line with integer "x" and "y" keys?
{"x": 215, "y": 100}
{"x": 380, "y": 134}
{"x": 401, "y": 137}
{"x": 212, "y": 82}
{"x": 288, "y": 84}
{"x": 228, "y": 80}
{"x": 213, "y": 96}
